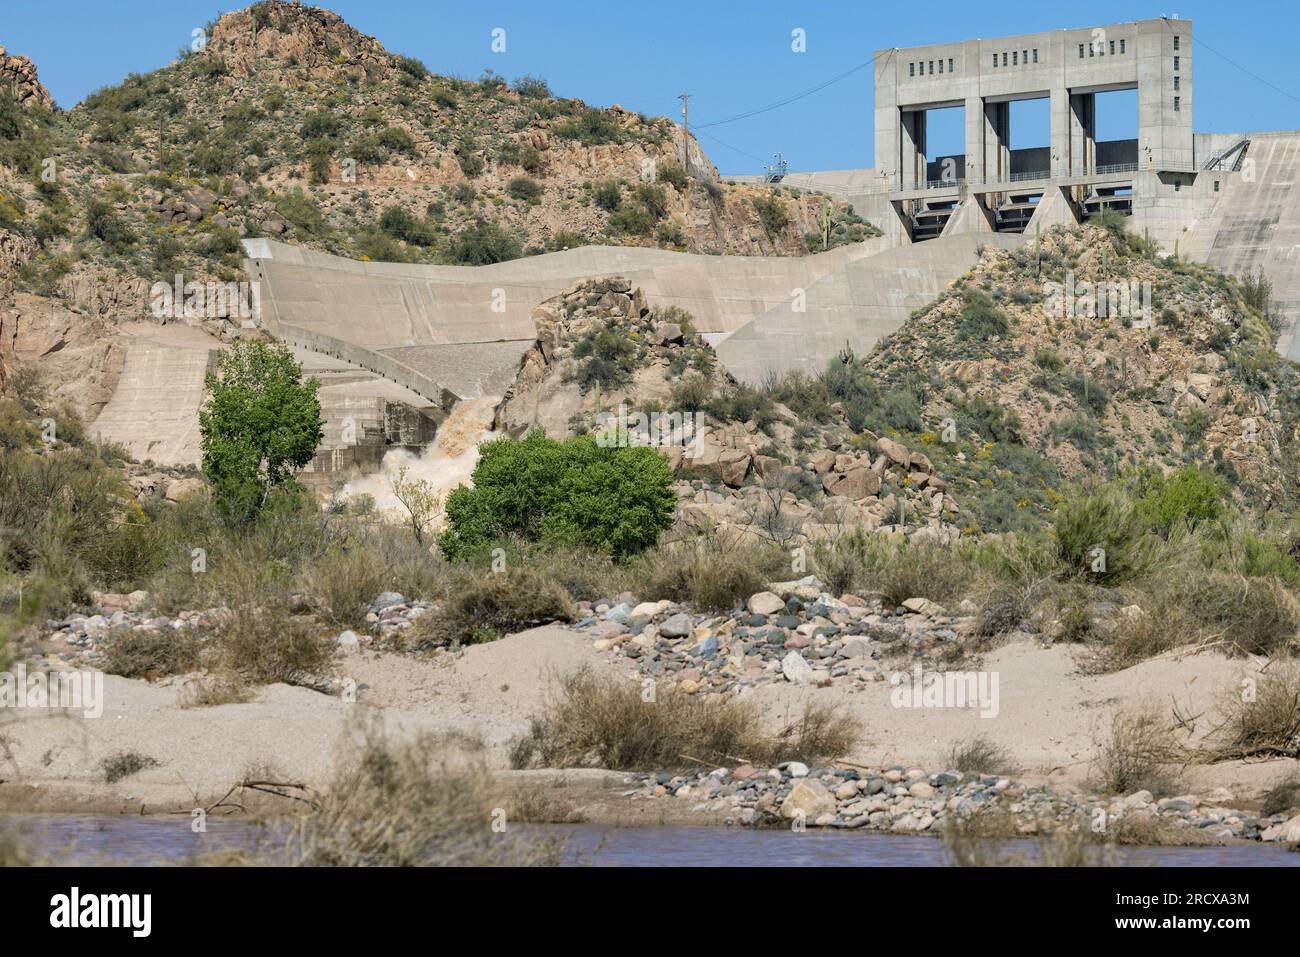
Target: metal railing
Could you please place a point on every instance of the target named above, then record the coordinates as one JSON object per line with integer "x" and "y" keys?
{"x": 961, "y": 183}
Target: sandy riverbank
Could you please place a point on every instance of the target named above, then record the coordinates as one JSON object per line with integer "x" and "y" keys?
{"x": 1050, "y": 717}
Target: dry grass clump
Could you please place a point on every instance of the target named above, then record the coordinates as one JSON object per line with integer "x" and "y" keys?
{"x": 607, "y": 722}
{"x": 1137, "y": 752}
{"x": 980, "y": 755}
{"x": 1262, "y": 718}
{"x": 123, "y": 764}
{"x": 346, "y": 582}
{"x": 819, "y": 733}
{"x": 936, "y": 572}
{"x": 1191, "y": 606}
{"x": 484, "y": 606}
{"x": 709, "y": 572}
{"x": 263, "y": 644}
{"x": 428, "y": 802}
{"x": 150, "y": 654}
{"x": 213, "y": 690}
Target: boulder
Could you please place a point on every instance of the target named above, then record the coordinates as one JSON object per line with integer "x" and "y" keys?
{"x": 822, "y": 462}
{"x": 857, "y": 484}
{"x": 808, "y": 800}
{"x": 764, "y": 603}
{"x": 1288, "y": 833}
{"x": 894, "y": 451}
{"x": 678, "y": 626}
{"x": 796, "y": 668}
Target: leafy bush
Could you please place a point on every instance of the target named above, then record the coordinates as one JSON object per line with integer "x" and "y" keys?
{"x": 524, "y": 188}
{"x": 260, "y": 424}
{"x": 616, "y": 499}
{"x": 1100, "y": 536}
{"x": 484, "y": 243}
{"x": 1189, "y": 496}
{"x": 772, "y": 214}
{"x": 532, "y": 87}
{"x": 980, "y": 319}
{"x": 591, "y": 127}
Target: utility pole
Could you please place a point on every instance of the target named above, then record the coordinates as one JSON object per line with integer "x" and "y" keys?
{"x": 686, "y": 132}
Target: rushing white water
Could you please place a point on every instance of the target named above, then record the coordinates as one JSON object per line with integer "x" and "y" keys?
{"x": 445, "y": 464}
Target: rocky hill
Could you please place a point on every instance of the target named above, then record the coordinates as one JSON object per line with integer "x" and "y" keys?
{"x": 1005, "y": 382}
{"x": 608, "y": 361}
{"x": 289, "y": 123}
{"x": 973, "y": 417}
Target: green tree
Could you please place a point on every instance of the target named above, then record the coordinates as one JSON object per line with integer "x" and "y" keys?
{"x": 617, "y": 499}
{"x": 261, "y": 423}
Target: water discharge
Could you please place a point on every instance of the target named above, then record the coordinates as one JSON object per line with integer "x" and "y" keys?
{"x": 445, "y": 464}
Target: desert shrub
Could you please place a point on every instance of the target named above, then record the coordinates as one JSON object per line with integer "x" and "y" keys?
{"x": 346, "y": 580}
{"x": 525, "y": 188}
{"x": 150, "y": 654}
{"x": 980, "y": 319}
{"x": 423, "y": 802}
{"x": 262, "y": 643}
{"x": 1002, "y": 610}
{"x": 104, "y": 223}
{"x": 1189, "y": 496}
{"x": 400, "y": 223}
{"x": 1266, "y": 722}
{"x": 603, "y": 721}
{"x": 532, "y": 87}
{"x": 980, "y": 755}
{"x": 591, "y": 127}
{"x": 1100, "y": 536}
{"x": 631, "y": 218}
{"x": 616, "y": 499}
{"x": 123, "y": 764}
{"x": 772, "y": 214}
{"x": 711, "y": 574}
{"x": 605, "y": 359}
{"x": 484, "y": 243}
{"x": 936, "y": 572}
{"x": 320, "y": 123}
{"x": 1137, "y": 752}
{"x": 1255, "y": 616}
{"x": 485, "y": 606}
{"x": 607, "y": 195}
{"x": 673, "y": 175}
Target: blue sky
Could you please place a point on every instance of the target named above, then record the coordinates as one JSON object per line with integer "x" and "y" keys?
{"x": 732, "y": 57}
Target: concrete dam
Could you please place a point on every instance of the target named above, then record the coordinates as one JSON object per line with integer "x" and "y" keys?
{"x": 397, "y": 347}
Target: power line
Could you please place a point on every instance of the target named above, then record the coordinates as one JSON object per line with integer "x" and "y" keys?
{"x": 734, "y": 149}
{"x": 1254, "y": 76}
{"x": 791, "y": 99}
